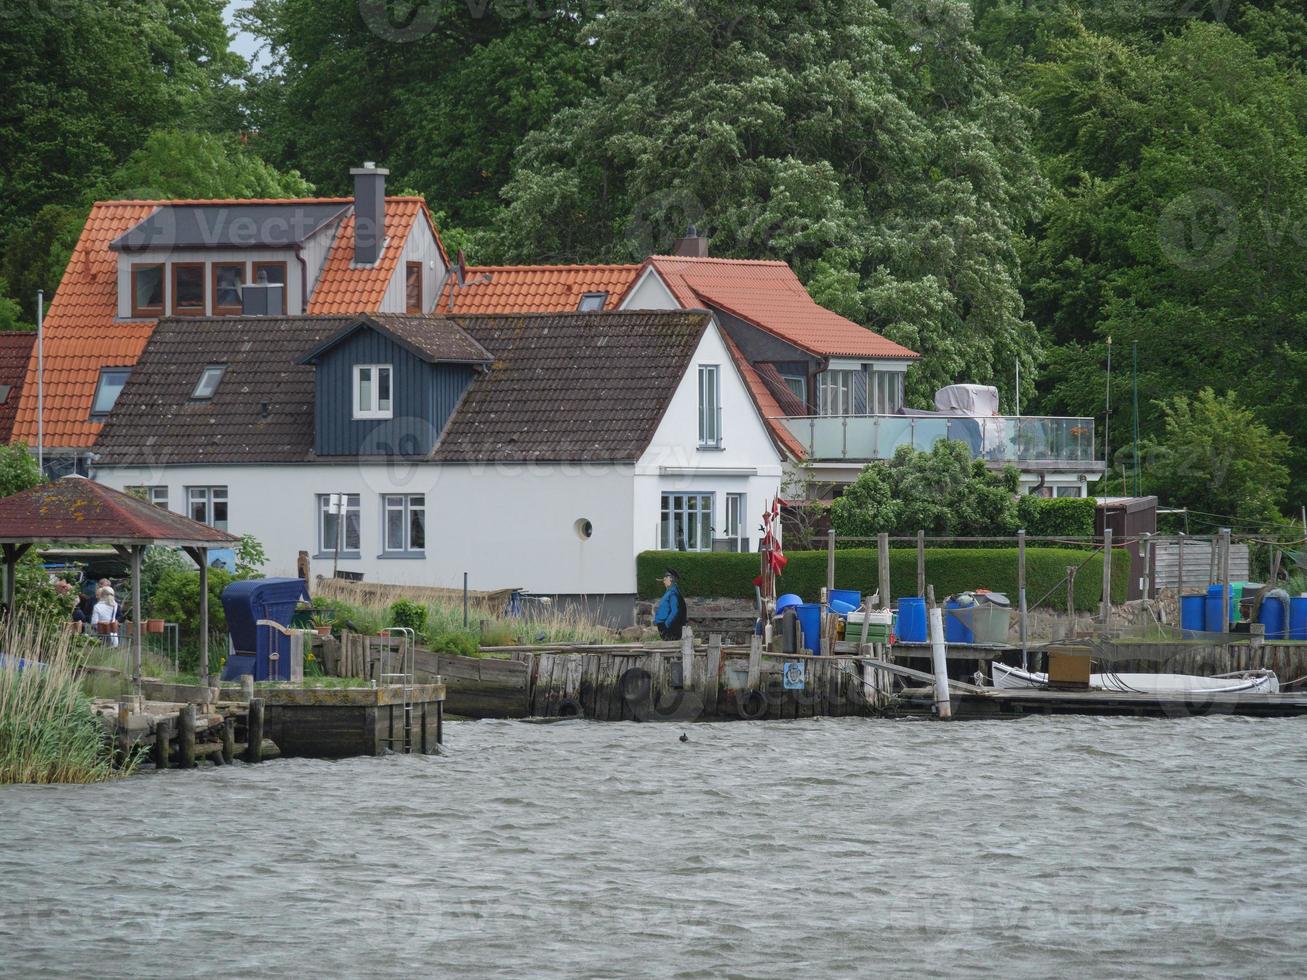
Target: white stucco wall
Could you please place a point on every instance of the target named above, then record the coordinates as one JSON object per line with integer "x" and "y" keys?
{"x": 747, "y": 462}
{"x": 507, "y": 526}
{"x": 650, "y": 293}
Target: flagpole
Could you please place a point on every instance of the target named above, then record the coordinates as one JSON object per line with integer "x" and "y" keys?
{"x": 40, "y": 380}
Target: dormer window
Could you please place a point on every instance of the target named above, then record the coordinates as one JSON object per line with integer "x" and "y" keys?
{"x": 413, "y": 300}
{"x": 188, "y": 289}
{"x": 107, "y": 390}
{"x": 592, "y": 303}
{"x": 228, "y": 281}
{"x": 147, "y": 290}
{"x": 372, "y": 393}
{"x": 273, "y": 273}
{"x": 208, "y": 383}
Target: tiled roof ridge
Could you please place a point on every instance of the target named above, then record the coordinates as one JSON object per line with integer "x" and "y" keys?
{"x": 715, "y": 260}
{"x": 187, "y": 201}
{"x": 565, "y": 267}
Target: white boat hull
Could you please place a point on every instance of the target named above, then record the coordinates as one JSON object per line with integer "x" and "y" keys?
{"x": 1247, "y": 682}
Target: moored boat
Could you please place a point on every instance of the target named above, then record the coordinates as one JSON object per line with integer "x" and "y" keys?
{"x": 1243, "y": 682}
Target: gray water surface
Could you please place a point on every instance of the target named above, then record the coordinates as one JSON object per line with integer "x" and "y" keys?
{"x": 820, "y": 848}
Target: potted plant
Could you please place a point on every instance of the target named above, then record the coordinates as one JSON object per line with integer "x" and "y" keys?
{"x": 105, "y": 629}
{"x": 322, "y": 625}
{"x": 154, "y": 626}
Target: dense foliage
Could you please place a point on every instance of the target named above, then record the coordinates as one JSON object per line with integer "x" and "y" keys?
{"x": 990, "y": 182}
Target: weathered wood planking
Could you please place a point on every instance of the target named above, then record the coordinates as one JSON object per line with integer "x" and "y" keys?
{"x": 477, "y": 687}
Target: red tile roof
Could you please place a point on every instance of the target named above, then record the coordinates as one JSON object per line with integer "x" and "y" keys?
{"x": 537, "y": 288}
{"x": 83, "y": 333}
{"x": 770, "y": 296}
{"x": 75, "y": 510}
{"x": 15, "y": 349}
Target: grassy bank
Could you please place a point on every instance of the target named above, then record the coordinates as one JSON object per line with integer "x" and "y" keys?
{"x": 47, "y": 731}
{"x": 439, "y": 624}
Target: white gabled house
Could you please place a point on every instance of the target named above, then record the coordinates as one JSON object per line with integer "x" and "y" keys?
{"x": 540, "y": 451}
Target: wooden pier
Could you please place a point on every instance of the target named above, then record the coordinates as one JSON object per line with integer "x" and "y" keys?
{"x": 183, "y": 735}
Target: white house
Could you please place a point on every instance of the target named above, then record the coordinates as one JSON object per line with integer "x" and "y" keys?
{"x": 540, "y": 452}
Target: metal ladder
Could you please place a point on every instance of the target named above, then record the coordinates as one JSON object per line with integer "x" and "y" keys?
{"x": 404, "y": 677}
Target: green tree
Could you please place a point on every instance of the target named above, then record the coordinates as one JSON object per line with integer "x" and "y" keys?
{"x": 189, "y": 164}
{"x": 1215, "y": 457}
{"x": 18, "y": 469}
{"x": 876, "y": 152}
{"x": 443, "y": 100}
{"x": 942, "y": 492}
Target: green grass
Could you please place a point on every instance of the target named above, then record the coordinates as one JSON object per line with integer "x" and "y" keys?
{"x": 48, "y": 733}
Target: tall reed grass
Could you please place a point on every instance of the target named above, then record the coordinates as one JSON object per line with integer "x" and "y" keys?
{"x": 369, "y": 609}
{"x": 48, "y": 732}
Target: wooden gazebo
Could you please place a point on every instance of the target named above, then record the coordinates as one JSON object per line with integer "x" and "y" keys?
{"x": 75, "y": 510}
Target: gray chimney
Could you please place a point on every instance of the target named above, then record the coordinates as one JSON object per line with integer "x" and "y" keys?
{"x": 369, "y": 212}
{"x": 692, "y": 246}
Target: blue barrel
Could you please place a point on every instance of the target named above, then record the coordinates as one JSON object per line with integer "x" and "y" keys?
{"x": 842, "y": 608}
{"x": 850, "y": 596}
{"x": 912, "y": 620}
{"x": 1298, "y": 618}
{"x": 1272, "y": 616}
{"x": 784, "y": 602}
{"x": 955, "y": 630}
{"x": 1192, "y": 613}
{"x": 1212, "y": 607}
{"x": 809, "y": 614}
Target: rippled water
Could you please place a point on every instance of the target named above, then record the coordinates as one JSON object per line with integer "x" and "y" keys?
{"x": 824, "y": 848}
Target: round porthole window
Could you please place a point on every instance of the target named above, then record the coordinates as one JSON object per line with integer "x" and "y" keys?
{"x": 584, "y": 529}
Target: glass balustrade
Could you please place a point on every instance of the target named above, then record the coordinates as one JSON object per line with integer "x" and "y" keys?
{"x": 997, "y": 439}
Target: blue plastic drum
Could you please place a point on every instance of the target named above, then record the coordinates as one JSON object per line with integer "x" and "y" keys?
{"x": 809, "y": 614}
{"x": 912, "y": 620}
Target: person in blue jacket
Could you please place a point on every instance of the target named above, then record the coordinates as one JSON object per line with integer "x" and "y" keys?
{"x": 671, "y": 613}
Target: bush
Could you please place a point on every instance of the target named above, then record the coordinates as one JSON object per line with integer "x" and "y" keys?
{"x": 949, "y": 570}
{"x": 409, "y": 614}
{"x": 1057, "y": 516}
{"x": 462, "y": 644}
{"x": 177, "y": 599}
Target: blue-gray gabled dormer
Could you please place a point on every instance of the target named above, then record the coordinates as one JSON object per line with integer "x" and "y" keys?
{"x": 387, "y": 385}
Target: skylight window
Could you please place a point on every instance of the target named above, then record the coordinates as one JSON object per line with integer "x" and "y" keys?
{"x": 107, "y": 390}
{"x": 592, "y": 302}
{"x": 208, "y": 383}
{"x": 4, "y": 393}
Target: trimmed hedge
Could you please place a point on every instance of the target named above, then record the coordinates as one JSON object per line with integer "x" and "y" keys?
{"x": 1057, "y": 516}
{"x": 950, "y": 570}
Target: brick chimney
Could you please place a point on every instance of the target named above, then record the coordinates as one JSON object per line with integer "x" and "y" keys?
{"x": 692, "y": 246}
{"x": 369, "y": 212}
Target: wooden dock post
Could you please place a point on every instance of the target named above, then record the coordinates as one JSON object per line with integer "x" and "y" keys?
{"x": 687, "y": 661}
{"x": 712, "y": 670}
{"x": 1106, "y": 610}
{"x": 228, "y": 740}
{"x": 1070, "y": 601}
{"x": 921, "y": 563}
{"x": 939, "y": 658}
{"x": 124, "y": 745}
{"x": 162, "y": 748}
{"x": 1179, "y": 562}
{"x": 882, "y": 569}
{"x": 186, "y": 737}
{"x": 755, "y": 662}
{"x": 254, "y": 729}
{"x": 1021, "y": 599}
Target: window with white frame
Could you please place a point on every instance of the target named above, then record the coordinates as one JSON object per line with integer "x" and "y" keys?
{"x": 333, "y": 532}
{"x": 372, "y": 391}
{"x": 208, "y": 505}
{"x": 798, "y": 386}
{"x": 405, "y": 523}
{"x": 687, "y": 522}
{"x": 1073, "y": 491}
{"x": 710, "y": 407}
{"x": 155, "y": 495}
{"x": 737, "y": 526}
{"x": 838, "y": 392}
{"x": 886, "y": 392}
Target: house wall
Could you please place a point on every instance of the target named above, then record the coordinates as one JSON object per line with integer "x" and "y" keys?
{"x": 507, "y": 526}
{"x": 650, "y": 293}
{"x": 211, "y": 256}
{"x": 747, "y": 463}
{"x": 424, "y": 395}
{"x": 421, "y": 247}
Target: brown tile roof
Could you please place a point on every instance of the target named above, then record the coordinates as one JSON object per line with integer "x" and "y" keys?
{"x": 15, "y": 349}
{"x": 155, "y": 421}
{"x": 770, "y": 296}
{"x": 429, "y": 338}
{"x": 536, "y": 288}
{"x": 76, "y": 510}
{"x": 571, "y": 386}
{"x": 764, "y": 400}
{"x": 83, "y": 333}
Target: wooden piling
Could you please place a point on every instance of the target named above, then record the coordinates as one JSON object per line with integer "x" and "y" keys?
{"x": 247, "y": 687}
{"x": 1021, "y": 599}
{"x": 921, "y": 563}
{"x": 712, "y": 672}
{"x": 1106, "y": 607}
{"x": 1070, "y": 601}
{"x": 162, "y": 748}
{"x": 186, "y": 737}
{"x": 1225, "y": 580}
{"x": 228, "y": 740}
{"x": 254, "y": 728}
{"x": 882, "y": 570}
{"x": 755, "y": 662}
{"x": 687, "y": 661}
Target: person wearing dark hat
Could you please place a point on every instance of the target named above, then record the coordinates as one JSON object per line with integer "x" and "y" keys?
{"x": 671, "y": 613}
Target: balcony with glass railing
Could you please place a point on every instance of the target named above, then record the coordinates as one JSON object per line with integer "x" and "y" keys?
{"x": 1029, "y": 441}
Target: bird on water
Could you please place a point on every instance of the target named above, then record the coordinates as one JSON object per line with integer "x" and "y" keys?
{"x": 685, "y": 737}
